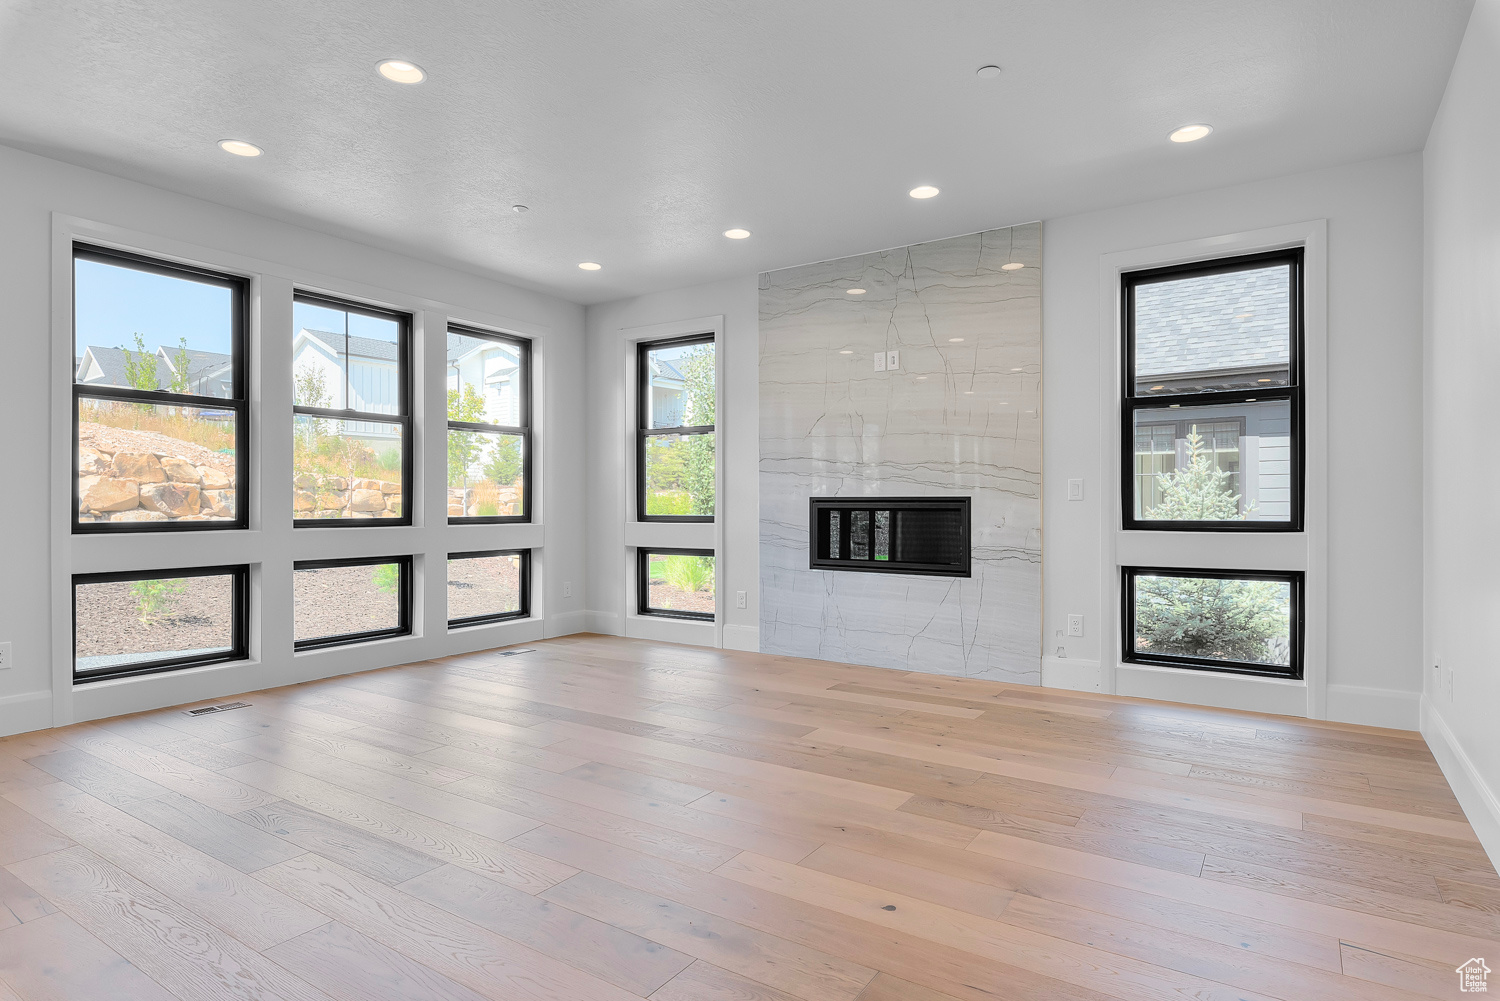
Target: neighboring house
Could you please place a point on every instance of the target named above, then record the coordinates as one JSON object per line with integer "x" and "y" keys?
{"x": 106, "y": 367}
{"x": 1233, "y": 337}
{"x": 371, "y": 386}
{"x": 208, "y": 372}
{"x": 492, "y": 365}
{"x": 667, "y": 400}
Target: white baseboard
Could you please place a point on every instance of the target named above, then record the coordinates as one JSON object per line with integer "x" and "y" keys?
{"x": 1072, "y": 673}
{"x": 567, "y": 623}
{"x": 1280, "y": 696}
{"x": 1479, "y": 802}
{"x": 25, "y": 712}
{"x": 604, "y": 623}
{"x": 745, "y": 638}
{"x": 1387, "y": 707}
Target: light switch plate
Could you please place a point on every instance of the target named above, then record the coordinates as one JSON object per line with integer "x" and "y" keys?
{"x": 1075, "y": 490}
{"x": 880, "y": 361}
{"x": 892, "y": 360}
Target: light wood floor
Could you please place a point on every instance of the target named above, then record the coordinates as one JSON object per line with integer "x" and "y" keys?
{"x": 613, "y": 819}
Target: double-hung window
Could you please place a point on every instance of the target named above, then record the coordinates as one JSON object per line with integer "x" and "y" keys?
{"x": 489, "y": 427}
{"x": 675, "y": 460}
{"x": 1212, "y": 426}
{"x": 159, "y": 406}
{"x": 351, "y": 423}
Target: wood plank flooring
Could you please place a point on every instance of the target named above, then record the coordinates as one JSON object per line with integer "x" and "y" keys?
{"x": 602, "y": 819}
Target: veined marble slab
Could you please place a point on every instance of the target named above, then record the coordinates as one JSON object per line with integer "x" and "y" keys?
{"x": 961, "y": 416}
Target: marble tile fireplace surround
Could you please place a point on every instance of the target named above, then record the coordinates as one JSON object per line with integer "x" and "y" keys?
{"x": 958, "y": 414}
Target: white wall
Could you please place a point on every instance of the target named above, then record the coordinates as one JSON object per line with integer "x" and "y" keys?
{"x": 34, "y": 192}
{"x": 608, "y": 326}
{"x": 1461, "y": 478}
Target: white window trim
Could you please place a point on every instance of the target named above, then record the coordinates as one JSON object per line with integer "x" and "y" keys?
{"x": 271, "y": 545}
{"x": 1306, "y": 551}
{"x": 676, "y": 535}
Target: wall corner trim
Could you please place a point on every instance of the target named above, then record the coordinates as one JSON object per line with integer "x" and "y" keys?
{"x": 740, "y": 637}
{"x": 1386, "y": 707}
{"x": 1480, "y": 804}
{"x": 567, "y": 623}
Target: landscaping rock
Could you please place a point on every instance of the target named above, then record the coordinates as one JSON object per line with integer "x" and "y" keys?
{"x": 366, "y": 499}
{"x": 143, "y": 467}
{"x": 105, "y": 493}
{"x": 304, "y": 500}
{"x": 195, "y": 517}
{"x": 333, "y": 499}
{"x": 210, "y": 478}
{"x": 393, "y": 504}
{"x": 217, "y": 503}
{"x": 334, "y": 483}
{"x": 389, "y": 488}
{"x": 179, "y": 470}
{"x": 176, "y": 500}
{"x": 305, "y": 481}
{"x": 91, "y": 462}
{"x": 139, "y": 515}
{"x": 364, "y": 484}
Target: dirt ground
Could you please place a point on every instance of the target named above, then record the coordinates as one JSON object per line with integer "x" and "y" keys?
{"x": 669, "y": 598}
{"x": 109, "y": 620}
{"x": 333, "y": 601}
{"x": 485, "y": 585}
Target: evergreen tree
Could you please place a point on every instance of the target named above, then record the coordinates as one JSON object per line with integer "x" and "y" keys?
{"x": 697, "y": 368}
{"x": 1198, "y": 491}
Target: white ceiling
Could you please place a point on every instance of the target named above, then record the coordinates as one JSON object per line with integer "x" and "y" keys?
{"x": 638, "y": 130}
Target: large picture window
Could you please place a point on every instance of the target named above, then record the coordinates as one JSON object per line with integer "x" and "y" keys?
{"x": 1238, "y": 621}
{"x": 676, "y": 583}
{"x": 1213, "y": 395}
{"x": 489, "y": 427}
{"x": 159, "y": 408}
{"x": 488, "y": 587}
{"x": 133, "y": 623}
{"x": 335, "y": 602}
{"x": 675, "y": 462}
{"x": 351, "y": 423}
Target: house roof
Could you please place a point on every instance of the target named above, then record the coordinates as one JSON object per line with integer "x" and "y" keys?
{"x": 200, "y": 363}
{"x": 1213, "y": 323}
{"x": 111, "y": 362}
{"x": 360, "y": 347}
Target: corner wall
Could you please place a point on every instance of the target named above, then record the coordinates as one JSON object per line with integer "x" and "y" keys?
{"x": 1461, "y": 683}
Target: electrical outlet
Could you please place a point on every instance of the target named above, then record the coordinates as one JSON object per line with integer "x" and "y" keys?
{"x": 1075, "y": 625}
{"x": 880, "y": 361}
{"x": 5, "y": 656}
{"x": 892, "y": 360}
{"x": 741, "y": 599}
{"x": 1075, "y": 490}
{"x": 567, "y": 589}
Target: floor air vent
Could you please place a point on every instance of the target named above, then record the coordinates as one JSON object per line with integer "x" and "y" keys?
{"x": 512, "y": 653}
{"x": 202, "y": 710}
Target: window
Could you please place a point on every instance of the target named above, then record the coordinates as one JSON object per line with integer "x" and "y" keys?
{"x": 488, "y": 587}
{"x": 1239, "y": 621}
{"x": 675, "y": 461}
{"x": 678, "y": 583}
{"x": 907, "y": 535}
{"x": 349, "y": 601}
{"x": 1213, "y": 395}
{"x": 489, "y": 427}
{"x": 159, "y": 411}
{"x": 351, "y": 423}
{"x": 162, "y": 620}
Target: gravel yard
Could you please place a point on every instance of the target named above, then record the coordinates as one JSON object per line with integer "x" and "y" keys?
{"x": 188, "y": 614}
{"x": 483, "y": 585}
{"x": 668, "y": 598}
{"x": 334, "y": 601}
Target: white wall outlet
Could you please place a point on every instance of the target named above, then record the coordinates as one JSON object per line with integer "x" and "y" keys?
{"x": 5, "y": 656}
{"x": 880, "y": 361}
{"x": 1075, "y": 490}
{"x": 892, "y": 360}
{"x": 741, "y": 599}
{"x": 1075, "y": 625}
{"x": 567, "y": 589}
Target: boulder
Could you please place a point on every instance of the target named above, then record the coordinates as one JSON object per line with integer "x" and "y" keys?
{"x": 195, "y": 517}
{"x": 217, "y": 503}
{"x": 138, "y": 515}
{"x": 364, "y": 484}
{"x": 304, "y": 500}
{"x": 175, "y": 500}
{"x": 333, "y": 499}
{"x": 305, "y": 481}
{"x": 91, "y": 462}
{"x": 210, "y": 478}
{"x": 387, "y": 487}
{"x": 455, "y": 509}
{"x": 393, "y": 504}
{"x": 333, "y": 482}
{"x": 106, "y": 493}
{"x": 366, "y": 500}
{"x": 143, "y": 467}
{"x": 179, "y": 470}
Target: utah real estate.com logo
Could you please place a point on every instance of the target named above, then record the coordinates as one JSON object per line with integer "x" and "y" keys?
{"x": 1471, "y": 976}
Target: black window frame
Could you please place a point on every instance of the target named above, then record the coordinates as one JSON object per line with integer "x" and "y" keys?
{"x": 525, "y": 602}
{"x": 1296, "y": 578}
{"x": 524, "y": 430}
{"x": 239, "y": 621}
{"x": 1293, "y": 393}
{"x": 238, "y": 285}
{"x": 403, "y": 595}
{"x": 819, "y": 506}
{"x": 644, "y": 430}
{"x": 404, "y": 418}
{"x": 643, "y": 583}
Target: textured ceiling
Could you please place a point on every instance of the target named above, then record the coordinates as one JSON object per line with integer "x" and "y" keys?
{"x": 638, "y": 130}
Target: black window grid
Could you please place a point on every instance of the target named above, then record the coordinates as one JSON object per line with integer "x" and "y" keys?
{"x": 645, "y": 432}
{"x": 523, "y": 430}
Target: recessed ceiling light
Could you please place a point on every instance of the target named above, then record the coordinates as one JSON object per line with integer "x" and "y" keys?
{"x": 955, "y": 340}
{"x": 1012, "y": 266}
{"x": 239, "y": 147}
{"x": 401, "y": 71}
{"x": 1190, "y": 133}
{"x": 1015, "y": 370}
{"x": 518, "y": 209}
{"x": 855, "y": 291}
{"x": 968, "y": 392}
{"x": 923, "y": 191}
{"x": 846, "y": 351}
{"x": 590, "y": 266}
{"x": 737, "y": 234}
{"x": 921, "y": 378}
{"x": 987, "y": 72}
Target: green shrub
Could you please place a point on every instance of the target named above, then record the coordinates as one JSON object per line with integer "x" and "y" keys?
{"x": 688, "y": 573}
{"x": 155, "y": 599}
{"x": 669, "y": 502}
{"x": 1212, "y": 618}
{"x": 387, "y": 578}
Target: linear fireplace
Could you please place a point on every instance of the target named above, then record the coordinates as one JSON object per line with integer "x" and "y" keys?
{"x": 906, "y": 535}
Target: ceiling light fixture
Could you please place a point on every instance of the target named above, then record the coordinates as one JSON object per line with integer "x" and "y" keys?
{"x": 955, "y": 340}
{"x": 846, "y": 351}
{"x": 923, "y": 191}
{"x": 854, "y": 291}
{"x": 590, "y": 266}
{"x": 400, "y": 71}
{"x": 1190, "y": 133}
{"x": 737, "y": 234}
{"x": 239, "y": 147}
{"x": 518, "y": 209}
{"x": 987, "y": 72}
{"x": 1012, "y": 266}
